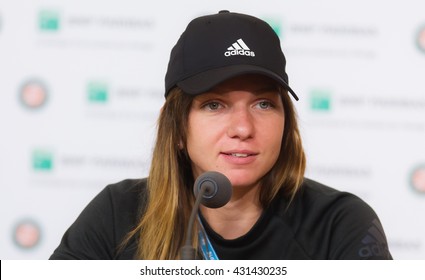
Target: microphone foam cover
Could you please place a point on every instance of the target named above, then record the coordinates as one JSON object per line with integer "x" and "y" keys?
{"x": 219, "y": 189}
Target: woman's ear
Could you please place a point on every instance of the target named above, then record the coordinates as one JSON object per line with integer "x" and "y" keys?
{"x": 180, "y": 145}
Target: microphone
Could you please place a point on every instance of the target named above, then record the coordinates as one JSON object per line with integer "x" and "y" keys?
{"x": 213, "y": 190}
{"x": 218, "y": 189}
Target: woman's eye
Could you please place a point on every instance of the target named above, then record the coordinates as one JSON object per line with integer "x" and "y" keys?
{"x": 265, "y": 104}
{"x": 212, "y": 106}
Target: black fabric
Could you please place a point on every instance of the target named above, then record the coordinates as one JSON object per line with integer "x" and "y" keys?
{"x": 217, "y": 47}
{"x": 321, "y": 223}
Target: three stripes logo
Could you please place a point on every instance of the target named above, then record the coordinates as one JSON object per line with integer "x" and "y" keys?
{"x": 239, "y": 48}
{"x": 374, "y": 244}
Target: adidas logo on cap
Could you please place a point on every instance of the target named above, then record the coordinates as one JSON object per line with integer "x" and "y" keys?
{"x": 239, "y": 48}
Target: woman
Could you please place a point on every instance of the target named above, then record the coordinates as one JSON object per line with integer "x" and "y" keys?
{"x": 228, "y": 108}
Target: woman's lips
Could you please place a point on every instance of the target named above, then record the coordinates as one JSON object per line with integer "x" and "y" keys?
{"x": 239, "y": 157}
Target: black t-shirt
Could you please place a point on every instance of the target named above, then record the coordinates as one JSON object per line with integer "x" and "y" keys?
{"x": 320, "y": 223}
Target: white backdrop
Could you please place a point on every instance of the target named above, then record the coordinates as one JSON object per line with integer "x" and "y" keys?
{"x": 81, "y": 84}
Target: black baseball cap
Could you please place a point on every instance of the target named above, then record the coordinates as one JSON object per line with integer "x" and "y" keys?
{"x": 221, "y": 46}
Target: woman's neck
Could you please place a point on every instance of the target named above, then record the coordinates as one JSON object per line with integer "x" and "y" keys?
{"x": 237, "y": 217}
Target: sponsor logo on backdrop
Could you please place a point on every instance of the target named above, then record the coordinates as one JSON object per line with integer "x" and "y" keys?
{"x": 33, "y": 94}
{"x": 420, "y": 38}
{"x": 42, "y": 160}
{"x": 417, "y": 179}
{"x": 334, "y": 39}
{"x": 116, "y": 22}
{"x": 95, "y": 30}
{"x": 97, "y": 92}
{"x": 406, "y": 244}
{"x": 26, "y": 234}
{"x": 48, "y": 20}
{"x": 320, "y": 100}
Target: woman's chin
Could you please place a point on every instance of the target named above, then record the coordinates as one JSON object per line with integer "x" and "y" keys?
{"x": 242, "y": 182}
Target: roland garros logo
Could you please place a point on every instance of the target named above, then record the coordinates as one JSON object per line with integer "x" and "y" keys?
{"x": 33, "y": 94}
{"x": 417, "y": 179}
{"x": 420, "y": 39}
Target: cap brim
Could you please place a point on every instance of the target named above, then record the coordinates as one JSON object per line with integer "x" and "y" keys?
{"x": 205, "y": 81}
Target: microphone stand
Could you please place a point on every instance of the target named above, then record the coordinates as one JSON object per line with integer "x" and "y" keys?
{"x": 187, "y": 252}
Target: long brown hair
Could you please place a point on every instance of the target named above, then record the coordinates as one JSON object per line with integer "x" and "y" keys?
{"x": 161, "y": 230}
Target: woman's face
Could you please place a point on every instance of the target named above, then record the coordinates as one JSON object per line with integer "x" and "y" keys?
{"x": 237, "y": 129}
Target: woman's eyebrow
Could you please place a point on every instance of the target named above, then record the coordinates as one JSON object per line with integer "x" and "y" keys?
{"x": 218, "y": 91}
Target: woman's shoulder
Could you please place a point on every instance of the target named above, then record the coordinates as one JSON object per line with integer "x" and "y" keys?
{"x": 317, "y": 200}
{"x": 317, "y": 194}
{"x": 338, "y": 220}
{"x": 102, "y": 225}
{"x": 128, "y": 192}
{"x": 127, "y": 187}
{"x": 129, "y": 195}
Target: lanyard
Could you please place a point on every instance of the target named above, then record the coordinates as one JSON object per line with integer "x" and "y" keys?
{"x": 205, "y": 245}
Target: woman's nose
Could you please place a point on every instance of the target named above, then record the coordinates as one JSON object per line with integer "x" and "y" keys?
{"x": 241, "y": 124}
